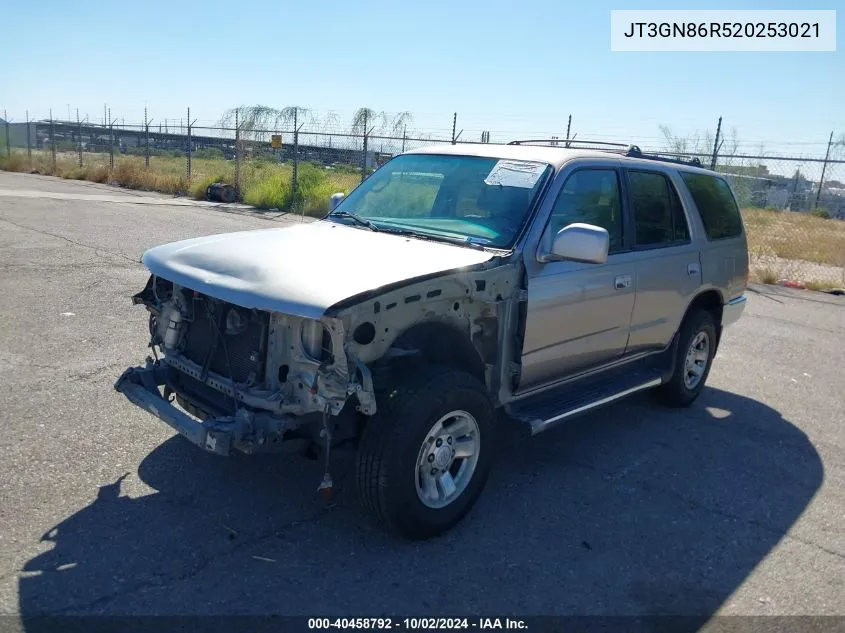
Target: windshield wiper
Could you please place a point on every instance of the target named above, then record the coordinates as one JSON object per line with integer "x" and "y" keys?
{"x": 434, "y": 238}
{"x": 356, "y": 217}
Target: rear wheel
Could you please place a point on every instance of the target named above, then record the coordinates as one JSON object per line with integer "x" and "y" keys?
{"x": 425, "y": 456}
{"x": 696, "y": 348}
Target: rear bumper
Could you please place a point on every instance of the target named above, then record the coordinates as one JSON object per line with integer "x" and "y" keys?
{"x": 733, "y": 310}
{"x": 248, "y": 431}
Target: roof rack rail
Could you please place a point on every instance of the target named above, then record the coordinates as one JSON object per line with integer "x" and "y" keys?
{"x": 568, "y": 142}
{"x": 635, "y": 152}
{"x": 632, "y": 151}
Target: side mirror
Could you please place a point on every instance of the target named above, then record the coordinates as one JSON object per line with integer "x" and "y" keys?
{"x": 579, "y": 242}
{"x": 335, "y": 200}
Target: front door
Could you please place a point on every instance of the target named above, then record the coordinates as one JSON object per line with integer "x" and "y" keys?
{"x": 579, "y": 315}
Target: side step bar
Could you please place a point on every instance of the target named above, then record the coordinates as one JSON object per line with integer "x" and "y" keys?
{"x": 549, "y": 409}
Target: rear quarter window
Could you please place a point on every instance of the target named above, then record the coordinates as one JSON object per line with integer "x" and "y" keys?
{"x": 716, "y": 205}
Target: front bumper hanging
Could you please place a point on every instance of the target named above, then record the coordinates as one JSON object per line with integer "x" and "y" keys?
{"x": 141, "y": 386}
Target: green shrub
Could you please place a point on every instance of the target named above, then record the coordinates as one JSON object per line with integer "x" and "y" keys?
{"x": 272, "y": 192}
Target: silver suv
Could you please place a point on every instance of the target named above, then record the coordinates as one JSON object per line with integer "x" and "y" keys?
{"x": 454, "y": 282}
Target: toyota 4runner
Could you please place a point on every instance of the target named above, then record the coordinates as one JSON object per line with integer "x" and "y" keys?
{"x": 454, "y": 281}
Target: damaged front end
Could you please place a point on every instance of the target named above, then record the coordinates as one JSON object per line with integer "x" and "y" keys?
{"x": 251, "y": 380}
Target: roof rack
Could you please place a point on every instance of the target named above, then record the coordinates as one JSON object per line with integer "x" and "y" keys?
{"x": 632, "y": 151}
{"x": 636, "y": 152}
{"x": 566, "y": 141}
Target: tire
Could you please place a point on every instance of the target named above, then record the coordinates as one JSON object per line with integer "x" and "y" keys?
{"x": 392, "y": 485}
{"x": 680, "y": 390}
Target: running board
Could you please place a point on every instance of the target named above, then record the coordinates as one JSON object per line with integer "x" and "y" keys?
{"x": 550, "y": 408}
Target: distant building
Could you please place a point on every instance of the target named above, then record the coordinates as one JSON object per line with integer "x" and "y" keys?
{"x": 17, "y": 133}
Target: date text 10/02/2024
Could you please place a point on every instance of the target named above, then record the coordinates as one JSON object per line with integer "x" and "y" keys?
{"x": 413, "y": 624}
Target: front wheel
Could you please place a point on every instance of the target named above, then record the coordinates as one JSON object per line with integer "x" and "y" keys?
{"x": 696, "y": 349}
{"x": 425, "y": 456}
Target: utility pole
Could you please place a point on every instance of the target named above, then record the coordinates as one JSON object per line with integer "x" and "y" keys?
{"x": 716, "y": 145}
{"x": 824, "y": 168}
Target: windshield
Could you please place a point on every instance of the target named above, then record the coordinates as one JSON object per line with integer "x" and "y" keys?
{"x": 467, "y": 198}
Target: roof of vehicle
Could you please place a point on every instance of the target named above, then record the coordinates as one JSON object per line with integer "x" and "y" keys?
{"x": 555, "y": 156}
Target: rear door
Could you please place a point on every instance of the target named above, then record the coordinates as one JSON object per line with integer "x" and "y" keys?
{"x": 724, "y": 252}
{"x": 668, "y": 268}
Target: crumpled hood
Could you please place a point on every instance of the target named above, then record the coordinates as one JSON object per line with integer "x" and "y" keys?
{"x": 302, "y": 269}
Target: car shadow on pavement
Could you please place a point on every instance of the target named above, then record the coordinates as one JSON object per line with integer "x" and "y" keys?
{"x": 635, "y": 510}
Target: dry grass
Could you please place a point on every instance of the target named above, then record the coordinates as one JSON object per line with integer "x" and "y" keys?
{"x": 824, "y": 285}
{"x": 764, "y": 275}
{"x": 265, "y": 185}
{"x": 795, "y": 236}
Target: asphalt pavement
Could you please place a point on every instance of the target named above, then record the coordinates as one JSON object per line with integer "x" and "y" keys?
{"x": 734, "y": 506}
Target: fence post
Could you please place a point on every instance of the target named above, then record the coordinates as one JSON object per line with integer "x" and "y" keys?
{"x": 364, "y": 154}
{"x": 52, "y": 141}
{"x": 8, "y": 143}
{"x": 454, "y": 123}
{"x": 824, "y": 169}
{"x": 237, "y": 155}
{"x": 79, "y": 136}
{"x": 146, "y": 140}
{"x": 28, "y": 142}
{"x": 568, "y": 128}
{"x": 716, "y": 144}
{"x": 111, "y": 140}
{"x": 188, "y": 152}
{"x": 295, "y": 177}
{"x": 404, "y": 137}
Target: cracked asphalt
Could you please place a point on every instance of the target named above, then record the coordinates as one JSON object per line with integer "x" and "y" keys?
{"x": 735, "y": 506}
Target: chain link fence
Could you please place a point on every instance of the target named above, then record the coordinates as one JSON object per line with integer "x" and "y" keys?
{"x": 794, "y": 207}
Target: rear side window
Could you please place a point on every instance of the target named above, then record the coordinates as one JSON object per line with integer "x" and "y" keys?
{"x": 716, "y": 205}
{"x": 658, "y": 217}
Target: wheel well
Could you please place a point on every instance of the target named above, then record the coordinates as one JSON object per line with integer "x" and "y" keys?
{"x": 711, "y": 301}
{"x": 441, "y": 344}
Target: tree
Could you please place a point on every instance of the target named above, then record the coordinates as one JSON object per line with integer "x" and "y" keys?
{"x": 701, "y": 144}
{"x": 366, "y": 119}
{"x": 400, "y": 122}
{"x": 256, "y": 120}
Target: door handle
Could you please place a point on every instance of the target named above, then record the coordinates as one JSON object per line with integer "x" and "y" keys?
{"x": 622, "y": 282}
{"x": 693, "y": 269}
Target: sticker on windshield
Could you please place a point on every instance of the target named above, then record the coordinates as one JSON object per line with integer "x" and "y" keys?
{"x": 511, "y": 173}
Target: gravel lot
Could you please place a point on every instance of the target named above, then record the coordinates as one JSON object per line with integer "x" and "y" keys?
{"x": 735, "y": 506}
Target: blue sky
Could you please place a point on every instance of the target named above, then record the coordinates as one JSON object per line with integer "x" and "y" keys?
{"x": 512, "y": 68}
